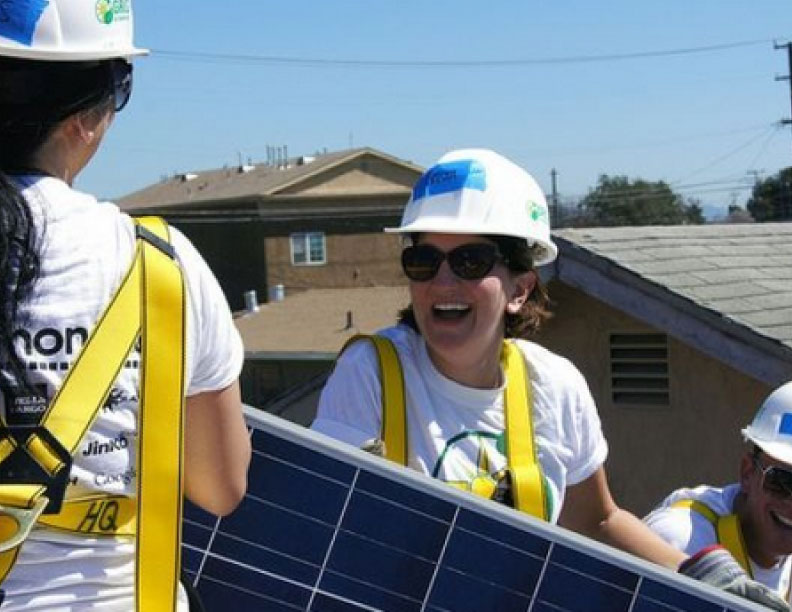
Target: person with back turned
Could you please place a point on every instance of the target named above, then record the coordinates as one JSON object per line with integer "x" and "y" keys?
{"x": 106, "y": 324}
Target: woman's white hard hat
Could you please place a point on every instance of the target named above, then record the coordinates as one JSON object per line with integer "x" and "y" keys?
{"x": 771, "y": 428}
{"x": 67, "y": 30}
{"x": 478, "y": 191}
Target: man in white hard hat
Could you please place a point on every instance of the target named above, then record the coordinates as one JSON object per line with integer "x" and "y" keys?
{"x": 752, "y": 518}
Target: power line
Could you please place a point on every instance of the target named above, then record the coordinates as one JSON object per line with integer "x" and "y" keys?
{"x": 309, "y": 62}
{"x": 769, "y": 132}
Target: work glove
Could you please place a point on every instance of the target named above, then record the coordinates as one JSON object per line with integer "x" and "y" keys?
{"x": 715, "y": 566}
{"x": 375, "y": 446}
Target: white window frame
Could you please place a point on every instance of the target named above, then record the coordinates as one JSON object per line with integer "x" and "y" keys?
{"x": 305, "y": 239}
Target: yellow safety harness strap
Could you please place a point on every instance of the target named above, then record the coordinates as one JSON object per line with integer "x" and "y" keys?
{"x": 527, "y": 480}
{"x": 157, "y": 313}
{"x": 160, "y": 445}
{"x": 73, "y": 410}
{"x": 727, "y": 530}
{"x": 394, "y": 415}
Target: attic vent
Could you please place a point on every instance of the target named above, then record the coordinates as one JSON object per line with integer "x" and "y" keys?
{"x": 639, "y": 369}
{"x": 187, "y": 176}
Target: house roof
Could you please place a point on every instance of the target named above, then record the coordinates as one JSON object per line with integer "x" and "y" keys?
{"x": 255, "y": 180}
{"x": 724, "y": 289}
{"x": 314, "y": 322}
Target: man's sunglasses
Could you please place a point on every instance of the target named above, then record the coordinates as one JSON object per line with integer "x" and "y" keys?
{"x": 776, "y": 480}
{"x": 469, "y": 261}
{"x": 122, "y": 83}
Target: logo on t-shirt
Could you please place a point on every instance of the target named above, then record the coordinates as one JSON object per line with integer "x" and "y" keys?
{"x": 95, "y": 447}
{"x": 489, "y": 475}
{"x": 25, "y": 407}
{"x": 53, "y": 349}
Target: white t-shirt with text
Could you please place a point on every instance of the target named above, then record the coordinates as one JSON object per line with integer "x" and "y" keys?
{"x": 87, "y": 247}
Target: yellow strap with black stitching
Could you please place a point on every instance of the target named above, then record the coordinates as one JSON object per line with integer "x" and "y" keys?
{"x": 394, "y": 415}
{"x": 160, "y": 442}
{"x": 727, "y": 529}
{"x": 158, "y": 315}
{"x": 527, "y": 480}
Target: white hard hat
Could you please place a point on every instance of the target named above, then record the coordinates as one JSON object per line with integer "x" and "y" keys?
{"x": 477, "y": 191}
{"x": 771, "y": 429}
{"x": 67, "y": 30}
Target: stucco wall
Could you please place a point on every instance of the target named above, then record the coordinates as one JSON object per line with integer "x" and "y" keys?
{"x": 695, "y": 440}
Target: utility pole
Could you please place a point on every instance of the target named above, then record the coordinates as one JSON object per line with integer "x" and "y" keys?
{"x": 556, "y": 214}
{"x": 787, "y": 121}
{"x": 788, "y": 77}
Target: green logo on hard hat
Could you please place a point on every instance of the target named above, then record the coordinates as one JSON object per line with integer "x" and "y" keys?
{"x": 108, "y": 11}
{"x": 537, "y": 212}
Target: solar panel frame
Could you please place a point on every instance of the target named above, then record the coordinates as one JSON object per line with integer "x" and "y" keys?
{"x": 327, "y": 527}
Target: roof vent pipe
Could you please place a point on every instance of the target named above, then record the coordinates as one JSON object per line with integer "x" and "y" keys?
{"x": 277, "y": 293}
{"x": 251, "y": 301}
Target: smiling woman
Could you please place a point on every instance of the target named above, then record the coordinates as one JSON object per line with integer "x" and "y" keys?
{"x": 456, "y": 390}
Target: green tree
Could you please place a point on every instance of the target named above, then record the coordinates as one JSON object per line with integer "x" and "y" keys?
{"x": 617, "y": 200}
{"x": 771, "y": 199}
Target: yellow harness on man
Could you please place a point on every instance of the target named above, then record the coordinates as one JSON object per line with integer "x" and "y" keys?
{"x": 727, "y": 529}
{"x": 527, "y": 480}
{"x": 149, "y": 304}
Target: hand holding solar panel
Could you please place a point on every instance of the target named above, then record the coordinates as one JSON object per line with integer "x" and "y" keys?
{"x": 715, "y": 566}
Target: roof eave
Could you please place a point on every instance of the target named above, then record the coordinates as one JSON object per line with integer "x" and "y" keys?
{"x": 708, "y": 331}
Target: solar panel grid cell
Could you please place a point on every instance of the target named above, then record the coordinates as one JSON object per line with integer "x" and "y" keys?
{"x": 326, "y": 528}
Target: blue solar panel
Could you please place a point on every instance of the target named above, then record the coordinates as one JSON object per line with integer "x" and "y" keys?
{"x": 327, "y": 528}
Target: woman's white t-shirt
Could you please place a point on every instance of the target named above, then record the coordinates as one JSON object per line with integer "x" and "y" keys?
{"x": 87, "y": 247}
{"x": 456, "y": 433}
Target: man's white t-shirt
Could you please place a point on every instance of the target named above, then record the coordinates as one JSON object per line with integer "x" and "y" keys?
{"x": 689, "y": 531}
{"x": 87, "y": 247}
{"x": 456, "y": 433}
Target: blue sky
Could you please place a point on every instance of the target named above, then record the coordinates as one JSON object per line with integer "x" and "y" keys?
{"x": 524, "y": 78}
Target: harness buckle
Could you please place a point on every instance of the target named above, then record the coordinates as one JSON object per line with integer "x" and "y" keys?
{"x": 20, "y": 467}
{"x": 25, "y": 518}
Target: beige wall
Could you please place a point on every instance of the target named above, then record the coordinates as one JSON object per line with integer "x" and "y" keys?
{"x": 366, "y": 174}
{"x": 353, "y": 260}
{"x": 695, "y": 440}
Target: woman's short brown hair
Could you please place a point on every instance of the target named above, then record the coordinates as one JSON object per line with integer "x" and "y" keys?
{"x": 517, "y": 256}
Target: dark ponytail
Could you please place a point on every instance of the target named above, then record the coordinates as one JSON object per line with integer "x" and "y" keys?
{"x": 19, "y": 267}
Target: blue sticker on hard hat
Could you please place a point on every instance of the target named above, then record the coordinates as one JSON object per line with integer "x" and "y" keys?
{"x": 451, "y": 176}
{"x": 19, "y": 18}
{"x": 785, "y": 427}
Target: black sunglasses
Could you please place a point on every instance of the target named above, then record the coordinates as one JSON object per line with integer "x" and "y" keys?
{"x": 776, "y": 480}
{"x": 469, "y": 261}
{"x": 122, "y": 83}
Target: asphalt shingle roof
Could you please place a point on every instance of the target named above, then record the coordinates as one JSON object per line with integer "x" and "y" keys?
{"x": 316, "y": 320}
{"x": 743, "y": 272}
{"x": 233, "y": 183}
